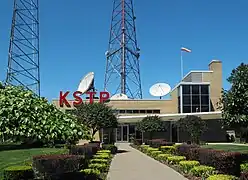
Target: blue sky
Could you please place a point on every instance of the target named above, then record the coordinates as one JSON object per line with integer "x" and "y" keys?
{"x": 74, "y": 38}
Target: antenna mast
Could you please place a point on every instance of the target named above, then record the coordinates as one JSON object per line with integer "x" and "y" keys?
{"x": 122, "y": 69}
{"x": 23, "y": 58}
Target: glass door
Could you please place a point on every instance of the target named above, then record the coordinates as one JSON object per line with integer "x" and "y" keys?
{"x": 122, "y": 133}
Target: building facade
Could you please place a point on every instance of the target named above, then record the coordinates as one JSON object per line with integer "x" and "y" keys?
{"x": 197, "y": 94}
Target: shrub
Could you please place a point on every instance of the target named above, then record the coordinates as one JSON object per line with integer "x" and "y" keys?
{"x": 184, "y": 150}
{"x": 244, "y": 176}
{"x": 18, "y": 172}
{"x": 163, "y": 157}
{"x": 156, "y": 143}
{"x": 91, "y": 173}
{"x": 150, "y": 149}
{"x": 110, "y": 147}
{"x": 202, "y": 171}
{"x": 104, "y": 152}
{"x": 137, "y": 141}
{"x": 53, "y": 166}
{"x": 87, "y": 150}
{"x": 154, "y": 154}
{"x": 100, "y": 167}
{"x": 168, "y": 149}
{"x": 186, "y": 166}
{"x": 175, "y": 159}
{"x": 224, "y": 162}
{"x": 221, "y": 177}
{"x": 244, "y": 167}
{"x": 100, "y": 161}
{"x": 102, "y": 156}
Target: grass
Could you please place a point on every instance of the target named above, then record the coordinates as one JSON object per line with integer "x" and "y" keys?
{"x": 23, "y": 156}
{"x": 226, "y": 147}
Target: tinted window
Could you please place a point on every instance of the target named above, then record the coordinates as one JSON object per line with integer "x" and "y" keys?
{"x": 204, "y": 108}
{"x": 142, "y": 111}
{"x": 195, "y": 109}
{"x": 129, "y": 111}
{"x": 205, "y": 99}
{"x": 195, "y": 89}
{"x": 135, "y": 111}
{"x": 204, "y": 89}
{"x": 122, "y": 111}
{"x": 186, "y": 109}
{"x": 149, "y": 111}
{"x": 195, "y": 100}
{"x": 156, "y": 111}
{"x": 186, "y": 100}
{"x": 186, "y": 89}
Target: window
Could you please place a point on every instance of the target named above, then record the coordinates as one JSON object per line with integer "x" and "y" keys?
{"x": 186, "y": 89}
{"x": 195, "y": 89}
{"x": 186, "y": 100}
{"x": 204, "y": 89}
{"x": 149, "y": 111}
{"x": 186, "y": 109}
{"x": 129, "y": 111}
{"x": 122, "y": 111}
{"x": 205, "y": 100}
{"x": 195, "y": 108}
{"x": 143, "y": 111}
{"x": 156, "y": 111}
{"x": 195, "y": 99}
{"x": 135, "y": 111}
{"x": 204, "y": 108}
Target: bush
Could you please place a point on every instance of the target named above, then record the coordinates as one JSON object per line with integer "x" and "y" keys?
{"x": 101, "y": 156}
{"x": 150, "y": 149}
{"x": 18, "y": 172}
{"x": 244, "y": 167}
{"x": 137, "y": 142}
{"x": 110, "y": 147}
{"x": 175, "y": 159}
{"x": 156, "y": 143}
{"x": 55, "y": 166}
{"x": 104, "y": 152}
{"x": 86, "y": 150}
{"x": 168, "y": 149}
{"x": 100, "y": 161}
{"x": 154, "y": 154}
{"x": 244, "y": 176}
{"x": 224, "y": 162}
{"x": 221, "y": 177}
{"x": 202, "y": 171}
{"x": 186, "y": 166}
{"x": 100, "y": 167}
{"x": 91, "y": 173}
{"x": 184, "y": 150}
{"x": 163, "y": 157}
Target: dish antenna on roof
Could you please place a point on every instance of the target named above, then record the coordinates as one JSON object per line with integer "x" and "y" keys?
{"x": 160, "y": 89}
{"x": 119, "y": 96}
{"x": 87, "y": 83}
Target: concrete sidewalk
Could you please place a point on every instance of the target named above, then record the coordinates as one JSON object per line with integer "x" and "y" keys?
{"x": 134, "y": 165}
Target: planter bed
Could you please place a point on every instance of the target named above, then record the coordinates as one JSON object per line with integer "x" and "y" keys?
{"x": 189, "y": 168}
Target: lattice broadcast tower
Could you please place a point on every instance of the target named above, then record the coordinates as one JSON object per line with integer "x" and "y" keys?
{"x": 23, "y": 58}
{"x": 122, "y": 69}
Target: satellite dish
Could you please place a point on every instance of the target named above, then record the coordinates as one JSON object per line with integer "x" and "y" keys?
{"x": 119, "y": 96}
{"x": 86, "y": 83}
{"x": 160, "y": 89}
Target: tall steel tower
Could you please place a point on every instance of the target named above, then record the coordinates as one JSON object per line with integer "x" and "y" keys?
{"x": 23, "y": 57}
{"x": 122, "y": 69}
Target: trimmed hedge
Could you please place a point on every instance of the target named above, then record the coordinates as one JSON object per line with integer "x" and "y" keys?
{"x": 168, "y": 149}
{"x": 87, "y": 150}
{"x": 56, "y": 166}
{"x": 186, "y": 166}
{"x": 221, "y": 177}
{"x": 18, "y": 172}
{"x": 156, "y": 143}
{"x": 91, "y": 173}
{"x": 110, "y": 147}
{"x": 202, "y": 171}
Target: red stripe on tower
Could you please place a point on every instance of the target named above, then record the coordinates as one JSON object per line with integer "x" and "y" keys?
{"x": 185, "y": 49}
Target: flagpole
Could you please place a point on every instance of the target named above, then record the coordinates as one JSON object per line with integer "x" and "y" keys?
{"x": 181, "y": 64}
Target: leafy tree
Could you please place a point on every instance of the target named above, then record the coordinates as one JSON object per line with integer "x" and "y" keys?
{"x": 25, "y": 116}
{"x": 96, "y": 116}
{"x": 194, "y": 126}
{"x": 151, "y": 124}
{"x": 234, "y": 102}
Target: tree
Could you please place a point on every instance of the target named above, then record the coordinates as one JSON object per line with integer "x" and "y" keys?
{"x": 234, "y": 102}
{"x": 96, "y": 116}
{"x": 151, "y": 124}
{"x": 194, "y": 126}
{"x": 24, "y": 116}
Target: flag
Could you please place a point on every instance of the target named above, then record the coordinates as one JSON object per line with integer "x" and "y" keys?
{"x": 185, "y": 49}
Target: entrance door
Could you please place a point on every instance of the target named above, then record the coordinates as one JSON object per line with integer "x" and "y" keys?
{"x": 122, "y": 133}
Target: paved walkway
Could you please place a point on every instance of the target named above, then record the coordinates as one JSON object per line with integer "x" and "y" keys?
{"x": 134, "y": 165}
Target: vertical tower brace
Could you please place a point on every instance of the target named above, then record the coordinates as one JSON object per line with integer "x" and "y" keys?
{"x": 23, "y": 57}
{"x": 122, "y": 69}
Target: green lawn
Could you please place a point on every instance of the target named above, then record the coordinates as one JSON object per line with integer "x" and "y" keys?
{"x": 232, "y": 148}
{"x": 19, "y": 157}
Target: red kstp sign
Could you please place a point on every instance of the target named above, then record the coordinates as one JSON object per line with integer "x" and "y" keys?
{"x": 78, "y": 100}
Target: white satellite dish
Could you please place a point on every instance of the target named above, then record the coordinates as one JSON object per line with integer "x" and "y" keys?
{"x": 160, "y": 89}
{"x": 119, "y": 96}
{"x": 86, "y": 83}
